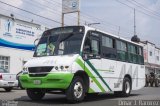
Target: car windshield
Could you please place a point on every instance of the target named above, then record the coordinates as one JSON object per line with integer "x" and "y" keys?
{"x": 60, "y": 41}
{"x": 3, "y": 70}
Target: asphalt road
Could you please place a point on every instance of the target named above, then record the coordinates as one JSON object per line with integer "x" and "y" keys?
{"x": 20, "y": 98}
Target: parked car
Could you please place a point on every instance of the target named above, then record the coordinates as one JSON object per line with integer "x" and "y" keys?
{"x": 17, "y": 76}
{"x": 7, "y": 80}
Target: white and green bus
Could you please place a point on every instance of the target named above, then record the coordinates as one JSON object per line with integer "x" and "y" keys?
{"x": 79, "y": 60}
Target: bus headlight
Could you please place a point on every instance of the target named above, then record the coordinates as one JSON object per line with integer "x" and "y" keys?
{"x": 61, "y": 68}
{"x": 56, "y": 68}
{"x": 66, "y": 68}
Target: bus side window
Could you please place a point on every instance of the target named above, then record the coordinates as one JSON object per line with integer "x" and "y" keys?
{"x": 95, "y": 47}
{"x": 87, "y": 46}
{"x": 92, "y": 45}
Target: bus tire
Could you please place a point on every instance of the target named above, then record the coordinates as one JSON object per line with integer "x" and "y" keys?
{"x": 35, "y": 94}
{"x": 76, "y": 91}
{"x": 126, "y": 90}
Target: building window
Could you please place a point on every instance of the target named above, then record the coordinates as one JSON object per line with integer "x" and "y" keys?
{"x": 4, "y": 62}
{"x": 157, "y": 58}
{"x": 150, "y": 53}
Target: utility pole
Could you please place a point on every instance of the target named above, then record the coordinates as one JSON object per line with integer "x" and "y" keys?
{"x": 78, "y": 18}
{"x": 78, "y": 21}
{"x": 62, "y": 19}
{"x": 135, "y": 37}
{"x": 70, "y": 6}
{"x": 119, "y": 28}
{"x": 134, "y": 21}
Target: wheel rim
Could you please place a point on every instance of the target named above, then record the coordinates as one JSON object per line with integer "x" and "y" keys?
{"x": 78, "y": 90}
{"x": 127, "y": 86}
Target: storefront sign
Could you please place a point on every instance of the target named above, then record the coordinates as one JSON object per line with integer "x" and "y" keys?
{"x": 16, "y": 34}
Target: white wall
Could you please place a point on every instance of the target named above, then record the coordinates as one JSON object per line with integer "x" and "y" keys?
{"x": 16, "y": 58}
{"x": 157, "y": 53}
{"x": 147, "y": 48}
{"x": 148, "y": 70}
{"x": 145, "y": 52}
{"x": 151, "y": 48}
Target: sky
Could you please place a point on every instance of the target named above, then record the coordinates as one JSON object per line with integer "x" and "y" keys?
{"x": 114, "y": 16}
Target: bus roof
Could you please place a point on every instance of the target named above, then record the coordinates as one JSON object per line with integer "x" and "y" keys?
{"x": 110, "y": 34}
{"x": 95, "y": 29}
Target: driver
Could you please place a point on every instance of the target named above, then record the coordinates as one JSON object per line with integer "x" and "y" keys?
{"x": 50, "y": 48}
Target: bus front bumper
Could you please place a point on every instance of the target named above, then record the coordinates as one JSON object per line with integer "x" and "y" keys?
{"x": 50, "y": 81}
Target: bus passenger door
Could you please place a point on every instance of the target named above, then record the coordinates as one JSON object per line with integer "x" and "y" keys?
{"x": 92, "y": 53}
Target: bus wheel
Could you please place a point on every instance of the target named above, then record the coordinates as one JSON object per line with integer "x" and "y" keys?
{"x": 126, "y": 90}
{"x": 76, "y": 91}
{"x": 126, "y": 87}
{"x": 35, "y": 94}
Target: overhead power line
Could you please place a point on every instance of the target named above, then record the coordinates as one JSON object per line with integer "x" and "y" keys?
{"x": 144, "y": 8}
{"x": 25, "y": 17}
{"x": 30, "y": 12}
{"x": 52, "y": 10}
{"x": 116, "y": 28}
{"x": 49, "y": 9}
{"x": 145, "y": 13}
{"x": 93, "y": 18}
{"x": 59, "y": 5}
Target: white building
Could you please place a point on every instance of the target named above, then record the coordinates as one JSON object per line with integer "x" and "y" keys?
{"x": 151, "y": 57}
{"x": 17, "y": 42}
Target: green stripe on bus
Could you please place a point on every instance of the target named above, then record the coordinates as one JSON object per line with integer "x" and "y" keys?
{"x": 91, "y": 90}
{"x": 90, "y": 74}
{"x": 94, "y": 69}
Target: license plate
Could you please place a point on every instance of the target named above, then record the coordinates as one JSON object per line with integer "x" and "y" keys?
{"x": 10, "y": 83}
{"x": 37, "y": 82}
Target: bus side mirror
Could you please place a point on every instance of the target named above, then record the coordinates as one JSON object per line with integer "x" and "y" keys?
{"x": 36, "y": 42}
{"x": 85, "y": 56}
{"x": 86, "y": 52}
{"x": 86, "y": 49}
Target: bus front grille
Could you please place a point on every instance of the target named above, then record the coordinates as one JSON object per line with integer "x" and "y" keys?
{"x": 39, "y": 69}
{"x": 37, "y": 75}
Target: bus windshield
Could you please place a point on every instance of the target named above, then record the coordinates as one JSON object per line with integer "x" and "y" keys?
{"x": 60, "y": 41}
